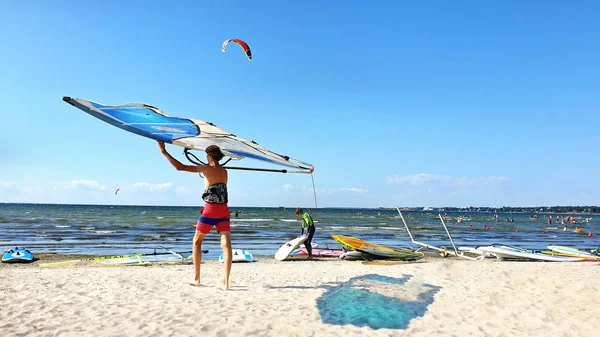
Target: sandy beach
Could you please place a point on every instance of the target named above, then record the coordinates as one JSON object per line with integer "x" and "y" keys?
{"x": 431, "y": 297}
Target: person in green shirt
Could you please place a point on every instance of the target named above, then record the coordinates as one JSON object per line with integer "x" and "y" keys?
{"x": 307, "y": 223}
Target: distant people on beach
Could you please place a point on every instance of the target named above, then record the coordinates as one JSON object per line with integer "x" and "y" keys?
{"x": 550, "y": 220}
{"x": 308, "y": 224}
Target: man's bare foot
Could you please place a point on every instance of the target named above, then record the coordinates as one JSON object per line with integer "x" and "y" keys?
{"x": 223, "y": 286}
{"x": 196, "y": 283}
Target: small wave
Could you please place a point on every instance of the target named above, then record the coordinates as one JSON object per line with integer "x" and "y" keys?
{"x": 62, "y": 220}
{"x": 149, "y": 238}
{"x": 105, "y": 232}
{"x": 62, "y": 226}
{"x": 291, "y": 220}
{"x": 29, "y": 220}
{"x": 252, "y": 220}
{"x": 263, "y": 226}
{"x": 87, "y": 228}
{"x": 160, "y": 217}
{"x": 392, "y": 228}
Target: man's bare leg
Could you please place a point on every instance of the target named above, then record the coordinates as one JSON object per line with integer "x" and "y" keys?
{"x": 197, "y": 256}
{"x": 227, "y": 257}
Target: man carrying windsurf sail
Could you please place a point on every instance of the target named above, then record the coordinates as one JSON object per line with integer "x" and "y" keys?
{"x": 215, "y": 212}
{"x": 307, "y": 223}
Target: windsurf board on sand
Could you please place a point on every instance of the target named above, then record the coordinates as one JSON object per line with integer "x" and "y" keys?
{"x": 375, "y": 249}
{"x": 571, "y": 252}
{"x": 352, "y": 255}
{"x": 319, "y": 252}
{"x": 509, "y": 252}
{"x": 125, "y": 260}
{"x": 17, "y": 255}
{"x": 284, "y": 251}
{"x": 239, "y": 255}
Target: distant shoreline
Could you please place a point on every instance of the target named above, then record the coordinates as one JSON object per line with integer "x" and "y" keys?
{"x": 520, "y": 210}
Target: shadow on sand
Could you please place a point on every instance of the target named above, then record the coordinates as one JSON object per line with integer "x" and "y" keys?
{"x": 373, "y": 300}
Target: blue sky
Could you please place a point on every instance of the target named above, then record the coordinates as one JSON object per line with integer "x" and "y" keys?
{"x": 433, "y": 103}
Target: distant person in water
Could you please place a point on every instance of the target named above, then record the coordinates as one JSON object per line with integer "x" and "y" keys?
{"x": 308, "y": 224}
{"x": 215, "y": 212}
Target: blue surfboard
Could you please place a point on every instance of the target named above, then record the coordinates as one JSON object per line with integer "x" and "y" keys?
{"x": 17, "y": 255}
{"x": 239, "y": 255}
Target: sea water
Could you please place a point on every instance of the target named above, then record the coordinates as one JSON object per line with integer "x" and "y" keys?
{"x": 108, "y": 230}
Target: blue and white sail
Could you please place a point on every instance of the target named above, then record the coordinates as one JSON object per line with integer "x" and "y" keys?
{"x": 151, "y": 122}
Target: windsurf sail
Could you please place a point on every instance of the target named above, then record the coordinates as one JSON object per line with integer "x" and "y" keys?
{"x": 168, "y": 256}
{"x": 192, "y": 134}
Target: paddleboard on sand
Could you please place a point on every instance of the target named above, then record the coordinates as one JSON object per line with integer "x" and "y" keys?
{"x": 239, "y": 255}
{"x": 509, "y": 252}
{"x": 17, "y": 255}
{"x": 284, "y": 251}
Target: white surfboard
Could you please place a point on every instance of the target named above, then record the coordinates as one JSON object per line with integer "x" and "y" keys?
{"x": 239, "y": 255}
{"x": 284, "y": 251}
{"x": 352, "y": 255}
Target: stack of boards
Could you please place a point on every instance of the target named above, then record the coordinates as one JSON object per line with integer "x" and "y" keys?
{"x": 572, "y": 252}
{"x": 554, "y": 254}
{"x": 361, "y": 249}
{"x": 17, "y": 255}
{"x": 509, "y": 252}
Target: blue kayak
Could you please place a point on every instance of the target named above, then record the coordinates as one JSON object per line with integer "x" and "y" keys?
{"x": 17, "y": 255}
